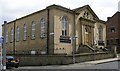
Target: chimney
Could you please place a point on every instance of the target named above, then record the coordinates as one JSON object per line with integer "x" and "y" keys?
{"x": 5, "y": 22}
{"x": 108, "y": 18}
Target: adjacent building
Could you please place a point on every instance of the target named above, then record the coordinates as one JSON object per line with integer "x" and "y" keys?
{"x": 55, "y": 30}
{"x": 113, "y": 31}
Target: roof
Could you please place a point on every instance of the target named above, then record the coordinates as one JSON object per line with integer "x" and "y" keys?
{"x": 49, "y": 7}
{"x": 76, "y": 9}
{"x": 61, "y": 8}
{"x": 117, "y": 13}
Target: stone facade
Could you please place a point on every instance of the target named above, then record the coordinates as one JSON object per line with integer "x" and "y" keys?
{"x": 60, "y": 24}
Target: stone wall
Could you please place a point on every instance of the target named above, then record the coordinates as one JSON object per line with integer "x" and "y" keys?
{"x": 28, "y": 60}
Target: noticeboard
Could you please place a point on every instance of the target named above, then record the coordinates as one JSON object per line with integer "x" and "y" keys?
{"x": 65, "y": 39}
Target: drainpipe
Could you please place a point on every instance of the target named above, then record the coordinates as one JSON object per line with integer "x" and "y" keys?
{"x": 74, "y": 41}
{"x": 14, "y": 39}
{"x": 74, "y": 33}
{"x": 47, "y": 30}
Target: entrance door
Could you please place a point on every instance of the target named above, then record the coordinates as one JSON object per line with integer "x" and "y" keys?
{"x": 88, "y": 36}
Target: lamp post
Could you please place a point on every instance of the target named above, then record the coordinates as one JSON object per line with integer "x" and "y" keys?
{"x": 73, "y": 46}
{"x": 50, "y": 34}
{"x": 4, "y": 46}
{"x": 114, "y": 50}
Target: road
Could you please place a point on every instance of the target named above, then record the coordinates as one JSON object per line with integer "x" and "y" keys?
{"x": 112, "y": 66}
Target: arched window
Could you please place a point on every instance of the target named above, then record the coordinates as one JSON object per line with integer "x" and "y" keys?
{"x": 64, "y": 26}
{"x": 100, "y": 31}
{"x": 42, "y": 25}
{"x": 33, "y": 30}
{"x": 12, "y": 34}
{"x": 25, "y": 32}
{"x": 18, "y": 34}
{"x": 6, "y": 36}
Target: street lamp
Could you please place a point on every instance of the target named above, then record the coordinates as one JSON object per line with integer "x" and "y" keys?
{"x": 50, "y": 34}
{"x": 73, "y": 38}
{"x": 4, "y": 46}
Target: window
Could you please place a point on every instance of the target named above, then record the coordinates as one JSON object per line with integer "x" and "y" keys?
{"x": 100, "y": 31}
{"x": 117, "y": 41}
{"x": 112, "y": 29}
{"x": 33, "y": 30}
{"x": 64, "y": 26}
{"x": 18, "y": 34}
{"x": 86, "y": 30}
{"x": 42, "y": 24}
{"x": 12, "y": 34}
{"x": 101, "y": 43}
{"x": 25, "y": 32}
{"x": 108, "y": 43}
{"x": 6, "y": 36}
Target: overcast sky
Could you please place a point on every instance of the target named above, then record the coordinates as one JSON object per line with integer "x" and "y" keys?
{"x": 12, "y": 9}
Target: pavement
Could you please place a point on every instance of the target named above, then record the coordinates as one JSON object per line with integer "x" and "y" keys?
{"x": 102, "y": 61}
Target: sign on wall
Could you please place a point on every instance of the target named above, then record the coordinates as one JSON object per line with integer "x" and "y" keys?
{"x": 65, "y": 39}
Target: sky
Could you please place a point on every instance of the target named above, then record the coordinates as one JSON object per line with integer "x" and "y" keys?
{"x": 14, "y": 9}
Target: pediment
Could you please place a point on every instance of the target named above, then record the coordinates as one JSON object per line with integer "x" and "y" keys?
{"x": 86, "y": 12}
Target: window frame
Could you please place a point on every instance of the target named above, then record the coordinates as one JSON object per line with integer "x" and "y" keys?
{"x": 65, "y": 26}
{"x": 112, "y": 28}
{"x": 18, "y": 34}
{"x": 11, "y": 35}
{"x": 6, "y": 35}
{"x": 100, "y": 32}
{"x": 25, "y": 32}
{"x": 33, "y": 28}
{"x": 42, "y": 28}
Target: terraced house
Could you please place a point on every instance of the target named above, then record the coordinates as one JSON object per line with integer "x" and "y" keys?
{"x": 56, "y": 30}
{"x": 112, "y": 25}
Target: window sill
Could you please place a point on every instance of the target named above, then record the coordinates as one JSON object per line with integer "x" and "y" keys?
{"x": 17, "y": 41}
{"x": 24, "y": 39}
{"x": 32, "y": 38}
{"x": 43, "y": 37}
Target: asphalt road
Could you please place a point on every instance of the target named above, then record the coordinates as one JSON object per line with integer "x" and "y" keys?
{"x": 111, "y": 66}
